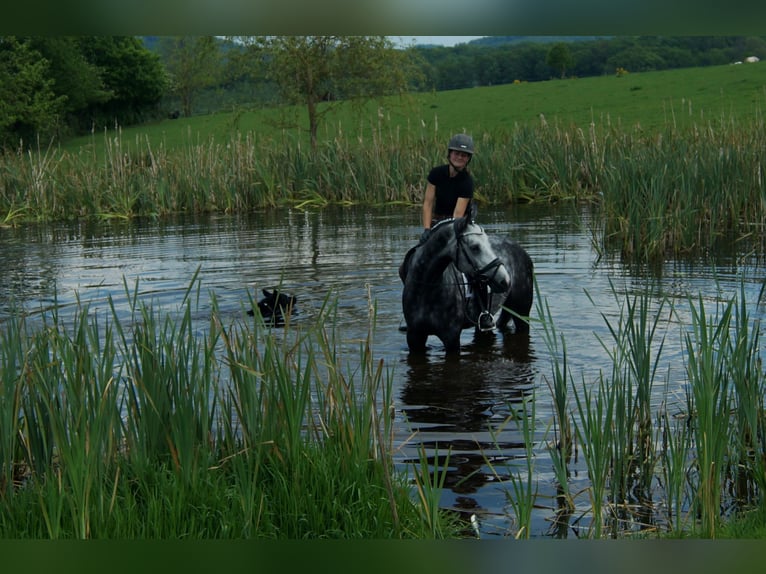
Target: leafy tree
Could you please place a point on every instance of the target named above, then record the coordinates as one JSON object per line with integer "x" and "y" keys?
{"x": 75, "y": 80}
{"x": 28, "y": 104}
{"x": 132, "y": 74}
{"x": 636, "y": 59}
{"x": 559, "y": 58}
{"x": 194, "y": 63}
{"x": 318, "y": 71}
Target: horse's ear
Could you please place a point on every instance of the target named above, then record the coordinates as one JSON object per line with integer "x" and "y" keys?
{"x": 460, "y": 224}
{"x": 473, "y": 210}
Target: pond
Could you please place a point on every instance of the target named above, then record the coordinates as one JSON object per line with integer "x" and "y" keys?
{"x": 463, "y": 406}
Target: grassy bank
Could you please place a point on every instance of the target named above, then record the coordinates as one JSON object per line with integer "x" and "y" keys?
{"x": 146, "y": 428}
{"x": 671, "y": 160}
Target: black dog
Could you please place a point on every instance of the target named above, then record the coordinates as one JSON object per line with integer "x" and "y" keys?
{"x": 275, "y": 306}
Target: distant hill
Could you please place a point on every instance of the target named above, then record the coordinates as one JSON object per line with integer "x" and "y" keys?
{"x": 499, "y": 41}
{"x": 494, "y": 41}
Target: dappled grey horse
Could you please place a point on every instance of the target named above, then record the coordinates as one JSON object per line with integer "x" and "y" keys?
{"x": 436, "y": 298}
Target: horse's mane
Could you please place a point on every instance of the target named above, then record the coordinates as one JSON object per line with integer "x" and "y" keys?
{"x": 442, "y": 222}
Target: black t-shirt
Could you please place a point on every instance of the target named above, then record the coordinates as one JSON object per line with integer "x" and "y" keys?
{"x": 449, "y": 189}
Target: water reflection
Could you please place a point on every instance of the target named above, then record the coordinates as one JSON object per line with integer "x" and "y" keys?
{"x": 465, "y": 406}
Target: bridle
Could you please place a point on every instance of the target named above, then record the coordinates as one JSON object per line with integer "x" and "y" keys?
{"x": 482, "y": 273}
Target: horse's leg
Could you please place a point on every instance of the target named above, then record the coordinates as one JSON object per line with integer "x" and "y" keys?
{"x": 519, "y": 301}
{"x": 451, "y": 342}
{"x": 416, "y": 341}
{"x": 505, "y": 316}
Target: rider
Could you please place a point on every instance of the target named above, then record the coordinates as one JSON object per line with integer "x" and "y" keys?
{"x": 450, "y": 186}
{"x": 449, "y": 191}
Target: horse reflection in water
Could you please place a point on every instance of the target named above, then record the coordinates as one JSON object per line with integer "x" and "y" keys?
{"x": 437, "y": 275}
{"x": 460, "y": 406}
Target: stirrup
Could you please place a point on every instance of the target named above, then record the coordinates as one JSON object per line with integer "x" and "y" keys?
{"x": 486, "y": 322}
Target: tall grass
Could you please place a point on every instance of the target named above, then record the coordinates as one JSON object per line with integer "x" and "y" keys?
{"x": 523, "y": 490}
{"x": 153, "y": 427}
{"x": 687, "y": 471}
{"x": 726, "y": 391}
{"x": 562, "y": 448}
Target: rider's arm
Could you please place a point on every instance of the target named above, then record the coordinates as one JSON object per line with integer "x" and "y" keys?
{"x": 428, "y": 205}
{"x": 461, "y": 206}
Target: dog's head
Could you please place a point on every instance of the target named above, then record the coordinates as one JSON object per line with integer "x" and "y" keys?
{"x": 275, "y": 305}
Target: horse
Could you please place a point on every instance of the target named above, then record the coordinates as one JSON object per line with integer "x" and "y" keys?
{"x": 437, "y": 276}
{"x": 275, "y": 306}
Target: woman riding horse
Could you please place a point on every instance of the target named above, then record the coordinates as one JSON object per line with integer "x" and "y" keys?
{"x": 448, "y": 194}
{"x": 436, "y": 299}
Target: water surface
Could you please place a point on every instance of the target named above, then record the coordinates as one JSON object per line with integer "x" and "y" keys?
{"x": 462, "y": 406}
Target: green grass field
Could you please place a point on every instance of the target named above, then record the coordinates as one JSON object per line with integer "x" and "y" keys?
{"x": 651, "y": 101}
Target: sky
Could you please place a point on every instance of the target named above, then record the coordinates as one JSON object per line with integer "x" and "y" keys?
{"x": 439, "y": 40}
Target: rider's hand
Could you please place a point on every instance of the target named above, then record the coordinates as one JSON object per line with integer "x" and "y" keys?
{"x": 425, "y": 235}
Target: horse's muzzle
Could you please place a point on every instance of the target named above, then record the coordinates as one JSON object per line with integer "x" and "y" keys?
{"x": 496, "y": 276}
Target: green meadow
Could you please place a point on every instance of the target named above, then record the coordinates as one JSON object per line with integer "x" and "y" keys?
{"x": 649, "y": 101}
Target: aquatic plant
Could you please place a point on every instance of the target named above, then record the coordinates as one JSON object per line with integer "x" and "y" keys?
{"x": 145, "y": 426}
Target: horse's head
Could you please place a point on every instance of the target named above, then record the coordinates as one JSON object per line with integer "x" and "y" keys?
{"x": 475, "y": 257}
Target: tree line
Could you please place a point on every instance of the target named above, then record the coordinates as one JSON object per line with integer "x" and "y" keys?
{"x": 54, "y": 87}
{"x": 489, "y": 61}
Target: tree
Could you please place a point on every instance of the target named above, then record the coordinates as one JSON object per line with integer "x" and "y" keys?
{"x": 194, "y": 63}
{"x": 559, "y": 58}
{"x": 28, "y": 105}
{"x": 319, "y": 71}
{"x": 134, "y": 77}
{"x": 75, "y": 80}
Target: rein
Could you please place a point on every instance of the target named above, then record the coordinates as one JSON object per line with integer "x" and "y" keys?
{"x": 481, "y": 276}
{"x": 478, "y": 274}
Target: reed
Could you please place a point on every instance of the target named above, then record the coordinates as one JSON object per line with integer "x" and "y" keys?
{"x": 523, "y": 493}
{"x": 726, "y": 380}
{"x": 562, "y": 448}
{"x": 675, "y": 468}
{"x": 429, "y": 477}
{"x": 595, "y": 430}
{"x": 635, "y": 355}
{"x": 702, "y": 463}
{"x": 710, "y": 402}
{"x": 745, "y": 368}
{"x": 145, "y": 426}
{"x": 13, "y": 353}
{"x": 672, "y": 190}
